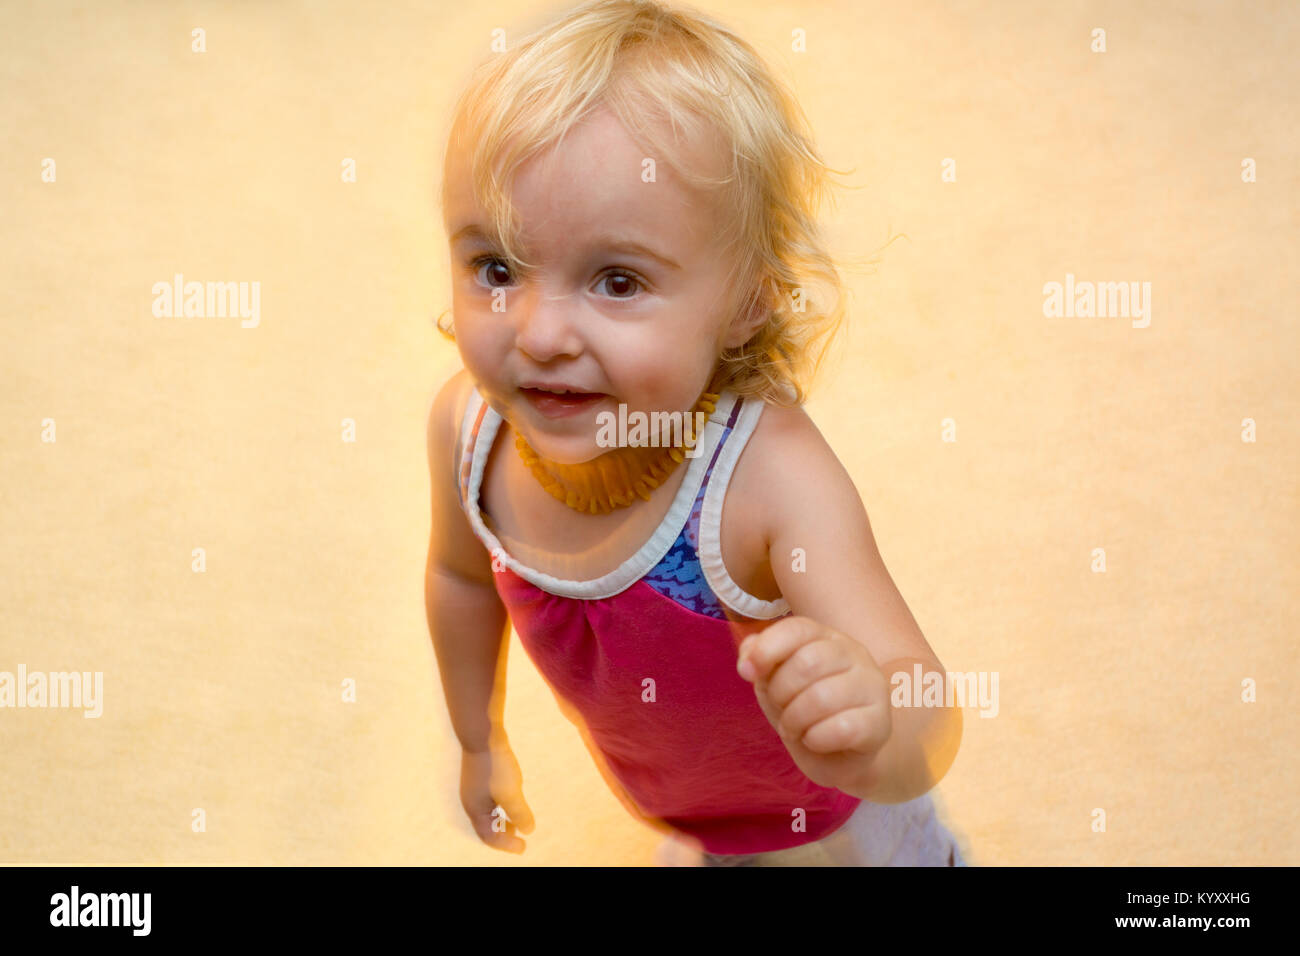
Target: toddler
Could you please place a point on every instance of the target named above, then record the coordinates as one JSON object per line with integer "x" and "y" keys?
{"x": 630, "y": 199}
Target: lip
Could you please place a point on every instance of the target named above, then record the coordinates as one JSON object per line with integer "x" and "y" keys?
{"x": 555, "y": 386}
{"x": 560, "y": 406}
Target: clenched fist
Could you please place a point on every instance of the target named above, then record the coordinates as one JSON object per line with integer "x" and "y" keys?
{"x": 825, "y": 696}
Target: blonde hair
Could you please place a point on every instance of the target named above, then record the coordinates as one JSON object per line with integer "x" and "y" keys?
{"x": 645, "y": 60}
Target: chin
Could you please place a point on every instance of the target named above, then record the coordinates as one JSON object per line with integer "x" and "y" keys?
{"x": 565, "y": 441}
{"x": 566, "y": 453}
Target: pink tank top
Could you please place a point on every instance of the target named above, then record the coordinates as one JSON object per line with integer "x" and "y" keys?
{"x": 646, "y": 656}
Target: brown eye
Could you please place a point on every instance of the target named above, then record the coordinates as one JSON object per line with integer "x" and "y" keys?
{"x": 497, "y": 271}
{"x": 622, "y": 285}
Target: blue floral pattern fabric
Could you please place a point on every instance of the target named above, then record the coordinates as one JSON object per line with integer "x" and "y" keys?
{"x": 678, "y": 575}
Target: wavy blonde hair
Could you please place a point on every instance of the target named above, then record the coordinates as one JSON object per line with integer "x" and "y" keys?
{"x": 647, "y": 62}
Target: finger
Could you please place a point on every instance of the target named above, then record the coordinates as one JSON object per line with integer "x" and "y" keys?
{"x": 518, "y": 810}
{"x": 770, "y": 710}
{"x": 490, "y": 822}
{"x": 494, "y": 829}
{"x": 815, "y": 661}
{"x": 818, "y": 701}
{"x": 857, "y": 729}
{"x": 764, "y": 650}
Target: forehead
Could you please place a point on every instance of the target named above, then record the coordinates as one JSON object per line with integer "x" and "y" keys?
{"x": 598, "y": 179}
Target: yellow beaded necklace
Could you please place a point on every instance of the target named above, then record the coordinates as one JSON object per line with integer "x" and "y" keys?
{"x": 618, "y": 477}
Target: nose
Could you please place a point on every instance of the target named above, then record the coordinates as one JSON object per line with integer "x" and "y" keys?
{"x": 544, "y": 326}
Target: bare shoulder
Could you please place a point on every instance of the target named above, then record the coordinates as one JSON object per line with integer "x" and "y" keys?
{"x": 443, "y": 422}
{"x": 788, "y": 477}
{"x": 453, "y": 545}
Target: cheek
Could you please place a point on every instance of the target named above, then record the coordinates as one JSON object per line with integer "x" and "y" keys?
{"x": 658, "y": 371}
{"x": 482, "y": 341}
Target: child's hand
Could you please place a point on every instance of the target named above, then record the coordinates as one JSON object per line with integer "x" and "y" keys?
{"x": 489, "y": 779}
{"x": 825, "y": 696}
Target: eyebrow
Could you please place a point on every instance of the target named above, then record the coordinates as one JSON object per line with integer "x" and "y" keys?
{"x": 471, "y": 231}
{"x": 614, "y": 243}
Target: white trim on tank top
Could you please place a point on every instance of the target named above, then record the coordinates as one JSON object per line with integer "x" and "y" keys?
{"x": 646, "y": 557}
{"x": 710, "y": 547}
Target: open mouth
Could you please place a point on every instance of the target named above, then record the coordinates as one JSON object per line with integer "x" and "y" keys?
{"x": 556, "y": 404}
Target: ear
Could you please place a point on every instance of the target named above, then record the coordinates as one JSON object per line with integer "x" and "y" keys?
{"x": 749, "y": 319}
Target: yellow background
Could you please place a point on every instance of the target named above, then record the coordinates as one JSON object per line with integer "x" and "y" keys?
{"x": 1119, "y": 690}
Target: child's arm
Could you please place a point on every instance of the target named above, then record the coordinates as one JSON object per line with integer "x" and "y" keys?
{"x": 469, "y": 624}
{"x": 823, "y": 677}
{"x": 466, "y": 617}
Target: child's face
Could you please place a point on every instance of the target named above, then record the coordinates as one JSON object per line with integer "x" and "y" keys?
{"x": 595, "y": 316}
